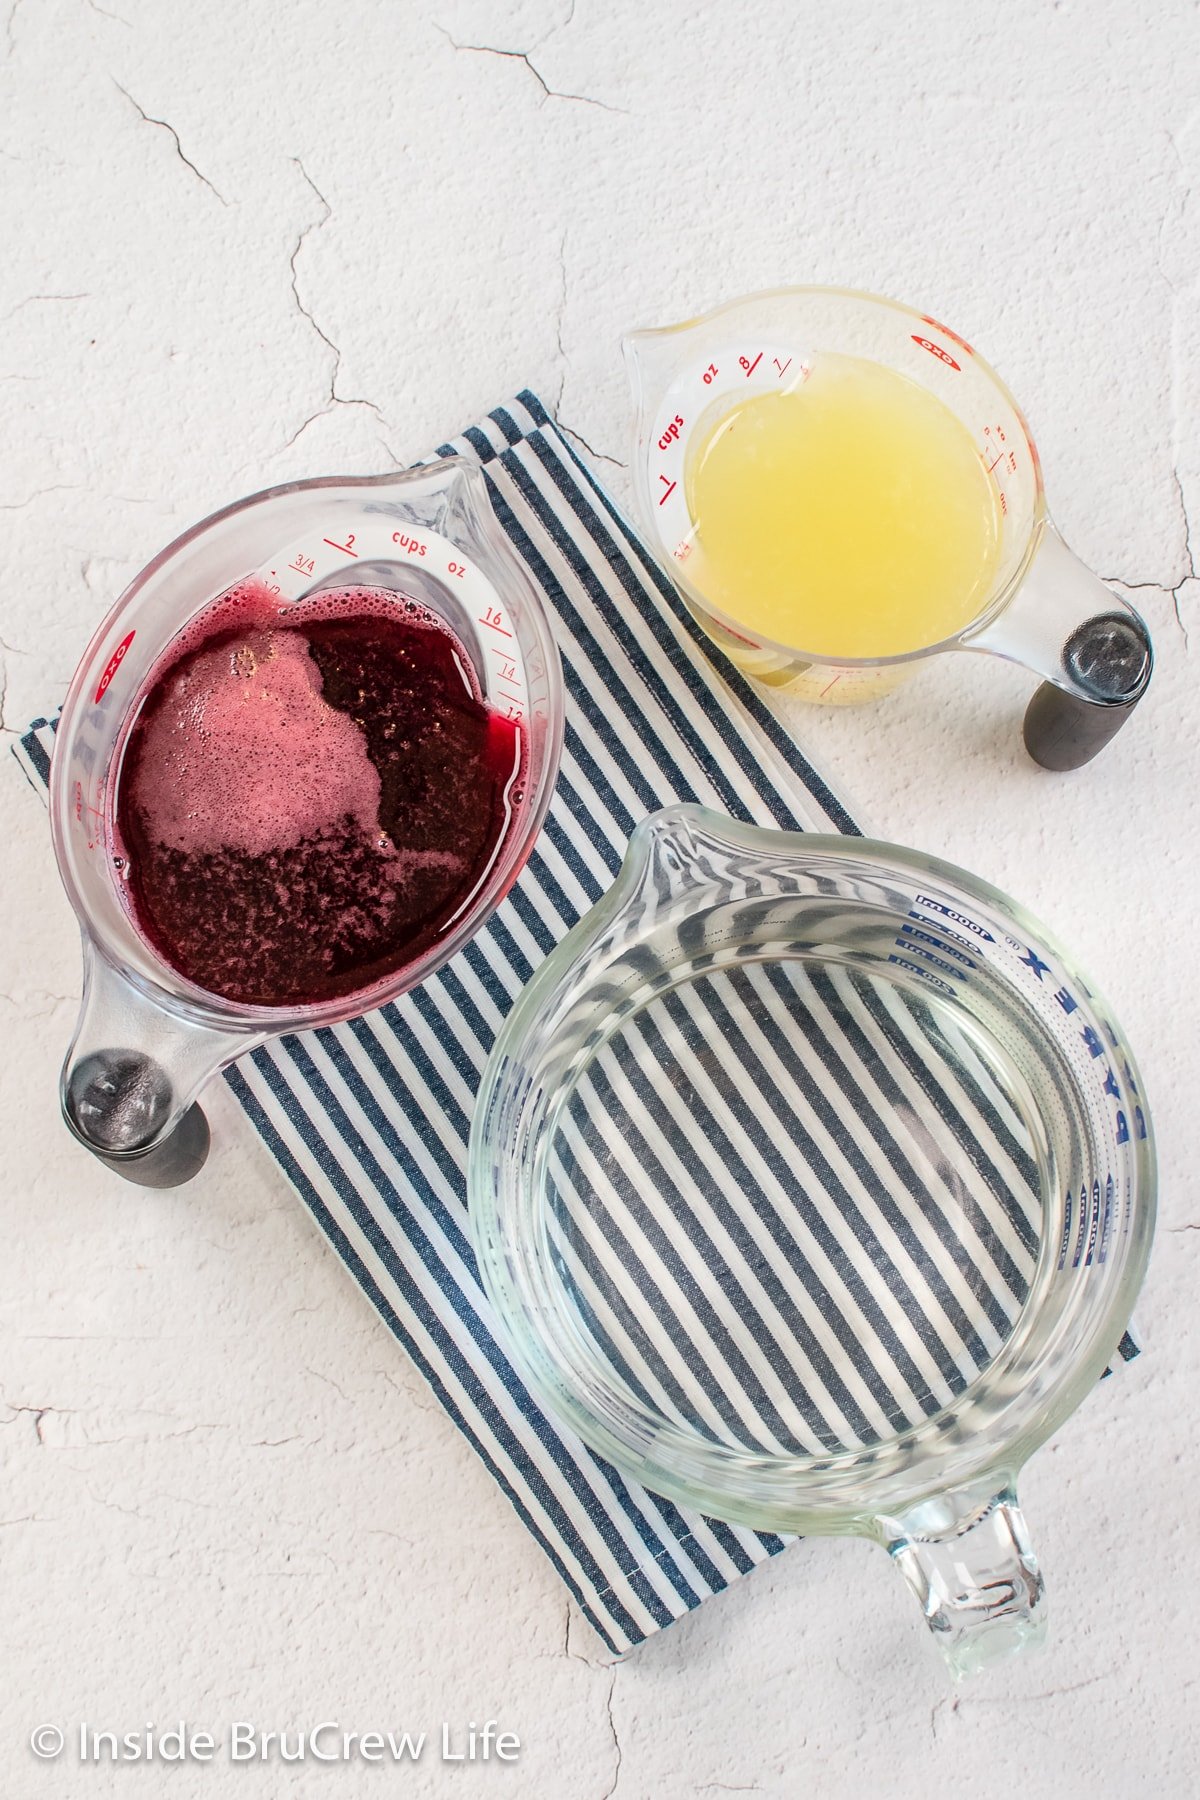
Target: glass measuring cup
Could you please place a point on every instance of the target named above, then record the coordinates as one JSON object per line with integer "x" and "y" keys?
{"x": 147, "y": 1039}
{"x": 812, "y": 1184}
{"x": 1044, "y": 610}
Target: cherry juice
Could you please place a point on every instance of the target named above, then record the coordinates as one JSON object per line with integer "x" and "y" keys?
{"x": 309, "y": 794}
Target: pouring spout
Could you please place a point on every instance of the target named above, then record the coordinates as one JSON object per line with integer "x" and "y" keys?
{"x": 131, "y": 1076}
{"x": 651, "y": 360}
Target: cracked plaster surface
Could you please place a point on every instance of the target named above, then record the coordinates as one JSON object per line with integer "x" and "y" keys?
{"x": 235, "y": 256}
{"x": 165, "y": 125}
{"x": 523, "y": 57}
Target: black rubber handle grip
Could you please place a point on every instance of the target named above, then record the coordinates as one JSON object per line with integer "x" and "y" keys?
{"x": 116, "y": 1102}
{"x": 1108, "y": 661}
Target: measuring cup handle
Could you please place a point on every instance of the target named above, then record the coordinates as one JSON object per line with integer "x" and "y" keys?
{"x": 131, "y": 1076}
{"x": 968, "y": 1559}
{"x": 1091, "y": 646}
{"x": 110, "y": 1083}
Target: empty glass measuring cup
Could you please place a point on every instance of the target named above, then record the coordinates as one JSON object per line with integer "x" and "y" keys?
{"x": 812, "y": 1183}
{"x": 1037, "y": 605}
{"x": 148, "y": 1039}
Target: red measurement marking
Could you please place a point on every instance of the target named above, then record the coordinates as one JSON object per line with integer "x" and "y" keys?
{"x": 995, "y": 460}
{"x": 936, "y": 350}
{"x": 682, "y": 551}
{"x": 831, "y": 684}
{"x": 508, "y": 668}
{"x": 492, "y": 617}
{"x": 710, "y": 374}
{"x": 112, "y": 665}
{"x": 408, "y": 542}
{"x": 511, "y": 695}
{"x": 750, "y": 367}
{"x": 348, "y": 546}
{"x": 782, "y": 367}
{"x": 671, "y": 486}
{"x": 303, "y": 565}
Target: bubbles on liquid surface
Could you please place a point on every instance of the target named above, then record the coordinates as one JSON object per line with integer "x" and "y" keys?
{"x": 240, "y": 751}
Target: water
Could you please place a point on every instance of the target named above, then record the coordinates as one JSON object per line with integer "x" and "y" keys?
{"x": 793, "y": 1205}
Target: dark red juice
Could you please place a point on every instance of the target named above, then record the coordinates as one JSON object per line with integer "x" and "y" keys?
{"x": 309, "y": 795}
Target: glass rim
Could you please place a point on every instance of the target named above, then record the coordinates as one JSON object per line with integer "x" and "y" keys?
{"x": 174, "y": 992}
{"x": 772, "y": 1498}
{"x": 997, "y": 600}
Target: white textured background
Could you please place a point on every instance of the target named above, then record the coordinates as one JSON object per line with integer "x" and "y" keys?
{"x": 241, "y": 242}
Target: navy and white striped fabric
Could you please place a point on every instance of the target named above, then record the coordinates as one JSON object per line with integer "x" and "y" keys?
{"x": 369, "y": 1120}
{"x": 791, "y": 1207}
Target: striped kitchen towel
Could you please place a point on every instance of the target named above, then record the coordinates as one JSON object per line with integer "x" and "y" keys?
{"x": 369, "y": 1120}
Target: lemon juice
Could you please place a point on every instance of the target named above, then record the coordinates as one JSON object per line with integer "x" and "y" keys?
{"x": 848, "y": 516}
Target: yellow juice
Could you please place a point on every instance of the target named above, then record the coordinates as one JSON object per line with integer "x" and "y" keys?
{"x": 849, "y": 516}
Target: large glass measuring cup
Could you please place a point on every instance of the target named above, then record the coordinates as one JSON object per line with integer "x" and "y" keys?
{"x": 147, "y": 1039}
{"x": 813, "y": 1183}
{"x": 1044, "y": 608}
